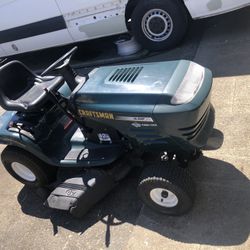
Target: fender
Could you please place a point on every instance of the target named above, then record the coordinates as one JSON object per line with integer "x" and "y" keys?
{"x": 15, "y": 139}
{"x": 25, "y": 142}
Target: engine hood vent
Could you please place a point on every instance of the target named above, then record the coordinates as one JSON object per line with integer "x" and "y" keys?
{"x": 125, "y": 75}
{"x": 141, "y": 79}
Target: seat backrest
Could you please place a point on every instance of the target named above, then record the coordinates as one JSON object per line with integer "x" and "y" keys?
{"x": 15, "y": 80}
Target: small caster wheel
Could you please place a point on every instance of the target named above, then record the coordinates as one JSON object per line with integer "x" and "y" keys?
{"x": 167, "y": 188}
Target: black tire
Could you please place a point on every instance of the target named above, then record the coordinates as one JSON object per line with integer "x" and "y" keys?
{"x": 44, "y": 173}
{"x": 170, "y": 177}
{"x": 178, "y": 21}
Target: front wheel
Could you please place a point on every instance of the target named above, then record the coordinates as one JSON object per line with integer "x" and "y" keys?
{"x": 167, "y": 188}
{"x": 26, "y": 168}
{"x": 158, "y": 24}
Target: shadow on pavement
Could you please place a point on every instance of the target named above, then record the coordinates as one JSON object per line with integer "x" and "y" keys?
{"x": 120, "y": 206}
{"x": 220, "y": 215}
{"x": 225, "y": 47}
{"x": 220, "y": 43}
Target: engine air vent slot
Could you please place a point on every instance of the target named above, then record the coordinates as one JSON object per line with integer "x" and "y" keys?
{"x": 191, "y": 132}
{"x": 125, "y": 75}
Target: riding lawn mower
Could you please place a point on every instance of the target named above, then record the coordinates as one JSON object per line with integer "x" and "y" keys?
{"x": 77, "y": 136}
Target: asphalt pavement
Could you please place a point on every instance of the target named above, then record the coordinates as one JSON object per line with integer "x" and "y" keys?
{"x": 220, "y": 218}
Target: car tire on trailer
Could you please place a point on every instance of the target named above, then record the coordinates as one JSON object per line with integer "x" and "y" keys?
{"x": 26, "y": 168}
{"x": 158, "y": 24}
{"x": 167, "y": 188}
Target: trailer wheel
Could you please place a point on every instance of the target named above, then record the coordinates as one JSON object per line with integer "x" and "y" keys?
{"x": 158, "y": 24}
{"x": 26, "y": 168}
{"x": 167, "y": 188}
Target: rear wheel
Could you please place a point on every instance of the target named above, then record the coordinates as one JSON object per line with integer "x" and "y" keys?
{"x": 167, "y": 188}
{"x": 158, "y": 24}
{"x": 26, "y": 168}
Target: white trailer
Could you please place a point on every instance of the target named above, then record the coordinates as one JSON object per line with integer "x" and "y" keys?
{"x": 28, "y": 25}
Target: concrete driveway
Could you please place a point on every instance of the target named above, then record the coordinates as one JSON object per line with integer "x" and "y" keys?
{"x": 221, "y": 214}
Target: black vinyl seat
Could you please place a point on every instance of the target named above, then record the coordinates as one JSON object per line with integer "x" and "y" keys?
{"x": 22, "y": 90}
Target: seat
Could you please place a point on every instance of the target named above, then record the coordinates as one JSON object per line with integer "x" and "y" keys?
{"x": 22, "y": 90}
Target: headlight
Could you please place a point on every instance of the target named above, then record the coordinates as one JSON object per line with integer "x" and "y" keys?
{"x": 190, "y": 85}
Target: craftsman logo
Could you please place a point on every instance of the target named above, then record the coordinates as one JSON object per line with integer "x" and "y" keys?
{"x": 95, "y": 114}
{"x": 70, "y": 192}
{"x": 136, "y": 125}
{"x": 139, "y": 125}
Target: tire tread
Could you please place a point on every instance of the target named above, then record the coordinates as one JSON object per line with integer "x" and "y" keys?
{"x": 46, "y": 173}
{"x": 170, "y": 173}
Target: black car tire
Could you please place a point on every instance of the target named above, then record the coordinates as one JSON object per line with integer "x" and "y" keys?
{"x": 27, "y": 168}
{"x": 167, "y": 188}
{"x": 151, "y": 18}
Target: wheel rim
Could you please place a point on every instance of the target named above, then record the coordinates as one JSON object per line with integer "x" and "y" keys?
{"x": 157, "y": 25}
{"x": 23, "y": 172}
{"x": 164, "y": 197}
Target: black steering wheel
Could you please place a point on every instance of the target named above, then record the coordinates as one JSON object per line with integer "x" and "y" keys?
{"x": 61, "y": 62}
